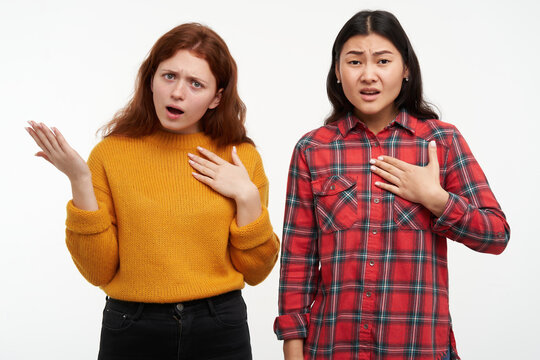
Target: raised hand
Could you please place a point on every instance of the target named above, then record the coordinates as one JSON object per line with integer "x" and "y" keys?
{"x": 230, "y": 180}
{"x": 413, "y": 183}
{"x": 56, "y": 150}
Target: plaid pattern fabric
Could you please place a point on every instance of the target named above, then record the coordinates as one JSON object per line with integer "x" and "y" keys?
{"x": 363, "y": 272}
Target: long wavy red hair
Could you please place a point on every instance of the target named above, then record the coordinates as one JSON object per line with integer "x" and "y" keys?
{"x": 224, "y": 124}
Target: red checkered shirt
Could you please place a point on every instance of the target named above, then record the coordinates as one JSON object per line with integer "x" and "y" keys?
{"x": 363, "y": 272}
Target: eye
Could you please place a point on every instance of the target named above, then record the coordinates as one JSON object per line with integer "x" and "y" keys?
{"x": 384, "y": 61}
{"x": 354, "y": 62}
{"x": 196, "y": 84}
{"x": 169, "y": 76}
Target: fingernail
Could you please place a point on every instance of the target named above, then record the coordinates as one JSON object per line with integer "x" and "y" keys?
{"x": 234, "y": 149}
{"x": 377, "y": 183}
{"x": 199, "y": 148}
{"x": 372, "y": 161}
{"x": 432, "y": 143}
{"x": 191, "y": 162}
{"x": 373, "y": 168}
{"x": 190, "y": 155}
{"x": 380, "y": 158}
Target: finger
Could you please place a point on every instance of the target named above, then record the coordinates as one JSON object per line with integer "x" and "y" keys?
{"x": 400, "y": 164}
{"x": 432, "y": 154}
{"x": 236, "y": 159}
{"x": 38, "y": 129}
{"x": 206, "y": 163}
{"x": 388, "y": 187}
{"x": 211, "y": 156}
{"x": 50, "y": 137}
{"x": 386, "y": 167}
{"x": 61, "y": 140}
{"x": 41, "y": 154}
{"x": 34, "y": 136}
{"x": 202, "y": 169}
{"x": 204, "y": 179}
{"x": 386, "y": 175}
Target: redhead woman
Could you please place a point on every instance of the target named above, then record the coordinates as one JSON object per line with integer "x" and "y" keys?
{"x": 169, "y": 214}
{"x": 372, "y": 198}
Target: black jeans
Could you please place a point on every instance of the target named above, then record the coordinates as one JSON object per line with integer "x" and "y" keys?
{"x": 212, "y": 328}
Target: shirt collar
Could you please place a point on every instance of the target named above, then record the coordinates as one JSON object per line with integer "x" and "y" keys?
{"x": 350, "y": 121}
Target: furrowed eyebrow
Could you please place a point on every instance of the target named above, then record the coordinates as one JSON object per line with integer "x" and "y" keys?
{"x": 355, "y": 52}
{"x": 190, "y": 77}
{"x": 376, "y": 53}
{"x": 199, "y": 80}
{"x": 382, "y": 52}
{"x": 168, "y": 71}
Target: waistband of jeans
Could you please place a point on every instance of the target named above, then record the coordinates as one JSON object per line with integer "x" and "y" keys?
{"x": 165, "y": 307}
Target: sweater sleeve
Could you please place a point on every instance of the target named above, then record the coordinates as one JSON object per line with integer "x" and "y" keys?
{"x": 255, "y": 246}
{"x": 91, "y": 236}
{"x": 472, "y": 215}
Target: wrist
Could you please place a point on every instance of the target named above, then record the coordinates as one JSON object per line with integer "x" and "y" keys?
{"x": 84, "y": 177}
{"x": 436, "y": 202}
{"x": 249, "y": 194}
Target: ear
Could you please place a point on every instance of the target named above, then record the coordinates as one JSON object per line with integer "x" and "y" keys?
{"x": 405, "y": 72}
{"x": 336, "y": 70}
{"x": 214, "y": 104}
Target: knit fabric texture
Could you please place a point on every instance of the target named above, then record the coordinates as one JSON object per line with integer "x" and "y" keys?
{"x": 159, "y": 234}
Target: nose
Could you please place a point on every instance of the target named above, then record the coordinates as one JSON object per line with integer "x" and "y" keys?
{"x": 179, "y": 90}
{"x": 369, "y": 73}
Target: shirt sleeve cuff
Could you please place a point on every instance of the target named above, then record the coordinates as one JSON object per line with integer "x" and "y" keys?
{"x": 253, "y": 234}
{"x": 453, "y": 212}
{"x": 293, "y": 326}
{"x": 87, "y": 222}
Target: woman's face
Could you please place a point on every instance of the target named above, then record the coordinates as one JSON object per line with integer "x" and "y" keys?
{"x": 183, "y": 88}
{"x": 371, "y": 71}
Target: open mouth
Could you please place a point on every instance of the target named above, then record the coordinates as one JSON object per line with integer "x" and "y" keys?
{"x": 369, "y": 92}
{"x": 174, "y": 111}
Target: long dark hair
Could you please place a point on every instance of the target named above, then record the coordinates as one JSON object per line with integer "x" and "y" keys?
{"x": 387, "y": 25}
{"x": 224, "y": 124}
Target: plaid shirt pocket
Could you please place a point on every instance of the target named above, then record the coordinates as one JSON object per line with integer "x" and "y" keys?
{"x": 335, "y": 202}
{"x": 409, "y": 215}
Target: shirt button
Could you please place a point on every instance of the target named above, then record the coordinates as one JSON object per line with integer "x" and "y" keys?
{"x": 371, "y": 263}
{"x": 376, "y": 201}
{"x": 366, "y": 326}
{"x": 374, "y": 232}
{"x": 332, "y": 187}
{"x": 179, "y": 307}
{"x": 368, "y": 294}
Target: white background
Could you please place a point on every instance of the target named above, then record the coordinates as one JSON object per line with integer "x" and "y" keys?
{"x": 72, "y": 64}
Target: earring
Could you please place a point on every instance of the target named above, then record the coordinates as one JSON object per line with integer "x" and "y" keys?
{"x": 339, "y": 82}
{"x": 406, "y": 79}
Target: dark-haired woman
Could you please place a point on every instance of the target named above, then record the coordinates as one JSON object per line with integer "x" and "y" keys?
{"x": 372, "y": 197}
{"x": 169, "y": 214}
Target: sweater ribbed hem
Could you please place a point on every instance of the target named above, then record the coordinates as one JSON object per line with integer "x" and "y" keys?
{"x": 253, "y": 234}
{"x": 87, "y": 222}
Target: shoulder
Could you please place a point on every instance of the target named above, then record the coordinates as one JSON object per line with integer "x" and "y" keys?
{"x": 113, "y": 147}
{"x": 252, "y": 160}
{"x": 322, "y": 135}
{"x": 434, "y": 129}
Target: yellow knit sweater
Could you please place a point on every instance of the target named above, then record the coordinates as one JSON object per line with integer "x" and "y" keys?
{"x": 160, "y": 235}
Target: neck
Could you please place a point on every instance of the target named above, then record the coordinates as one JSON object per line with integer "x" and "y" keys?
{"x": 377, "y": 122}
